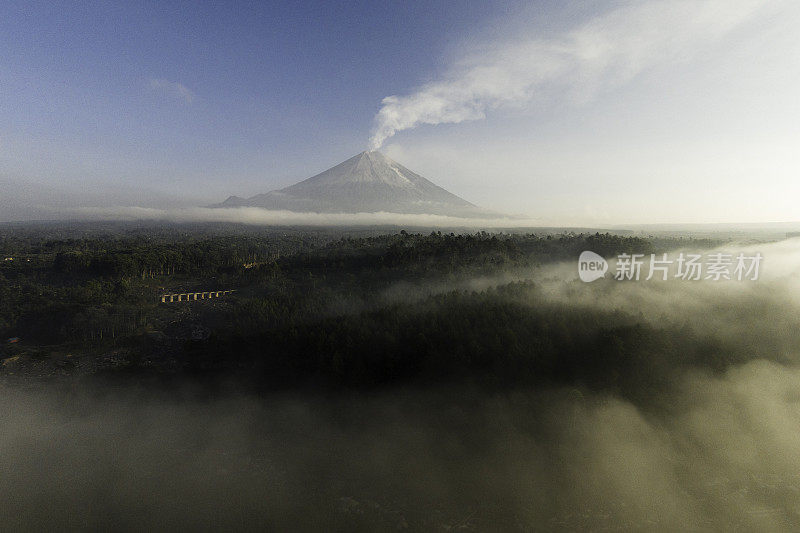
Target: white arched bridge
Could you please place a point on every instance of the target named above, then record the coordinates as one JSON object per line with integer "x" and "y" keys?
{"x": 192, "y": 296}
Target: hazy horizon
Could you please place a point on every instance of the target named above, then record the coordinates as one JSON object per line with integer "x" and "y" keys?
{"x": 595, "y": 114}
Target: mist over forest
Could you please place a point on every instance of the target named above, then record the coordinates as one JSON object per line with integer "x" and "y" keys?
{"x": 391, "y": 380}
{"x": 478, "y": 266}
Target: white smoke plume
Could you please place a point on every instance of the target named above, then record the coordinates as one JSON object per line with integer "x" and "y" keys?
{"x": 606, "y": 51}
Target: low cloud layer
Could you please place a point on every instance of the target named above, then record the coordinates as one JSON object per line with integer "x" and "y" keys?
{"x": 258, "y": 216}
{"x": 724, "y": 458}
{"x": 604, "y": 52}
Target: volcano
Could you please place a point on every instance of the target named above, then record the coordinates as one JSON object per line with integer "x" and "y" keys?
{"x": 366, "y": 183}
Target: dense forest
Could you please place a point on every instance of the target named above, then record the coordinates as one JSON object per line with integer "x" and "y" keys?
{"x": 327, "y": 308}
{"x": 388, "y": 379}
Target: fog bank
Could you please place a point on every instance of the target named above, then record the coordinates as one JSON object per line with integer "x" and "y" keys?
{"x": 725, "y": 457}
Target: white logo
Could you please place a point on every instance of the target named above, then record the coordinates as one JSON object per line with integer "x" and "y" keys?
{"x": 591, "y": 266}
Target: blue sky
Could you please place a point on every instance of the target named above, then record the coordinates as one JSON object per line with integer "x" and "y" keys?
{"x": 209, "y": 91}
{"x": 573, "y": 112}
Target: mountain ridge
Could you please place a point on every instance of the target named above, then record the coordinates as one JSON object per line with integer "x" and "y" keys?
{"x": 366, "y": 182}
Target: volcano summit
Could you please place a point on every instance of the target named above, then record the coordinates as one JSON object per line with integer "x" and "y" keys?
{"x": 366, "y": 183}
